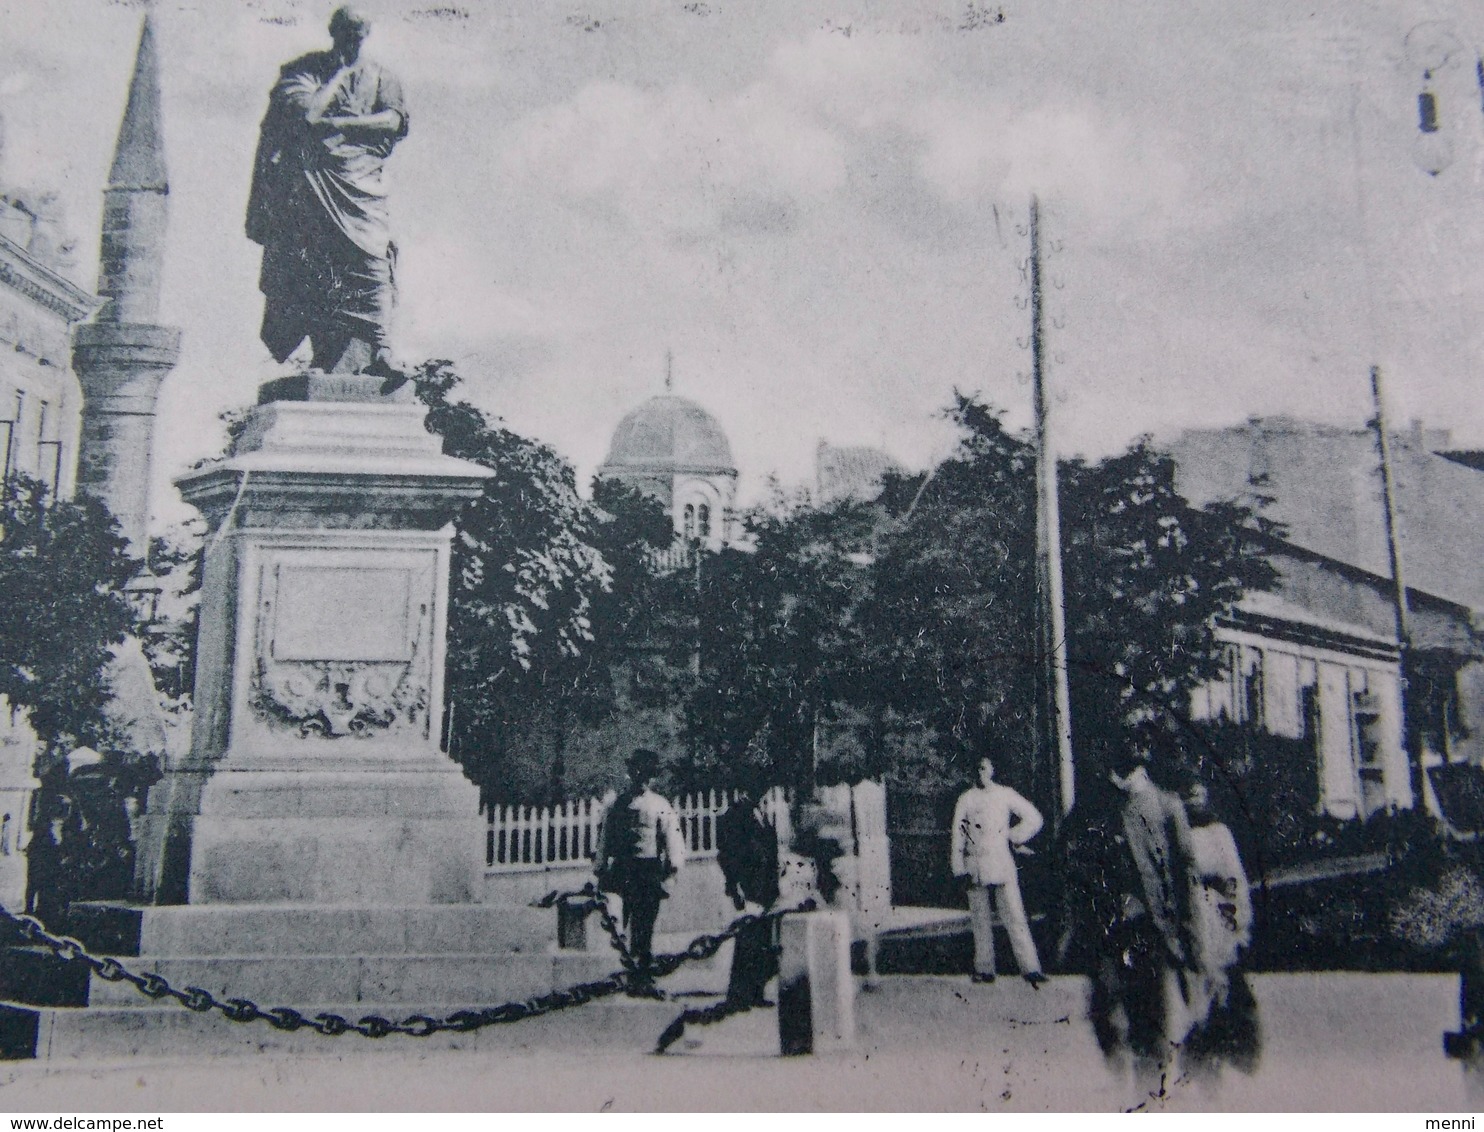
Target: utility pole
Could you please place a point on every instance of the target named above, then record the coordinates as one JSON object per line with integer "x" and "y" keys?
{"x": 1048, "y": 538}
{"x": 1400, "y": 609}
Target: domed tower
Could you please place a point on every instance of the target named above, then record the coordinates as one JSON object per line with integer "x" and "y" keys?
{"x": 675, "y": 451}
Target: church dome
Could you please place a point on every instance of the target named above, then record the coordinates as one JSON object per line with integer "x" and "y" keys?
{"x": 669, "y": 434}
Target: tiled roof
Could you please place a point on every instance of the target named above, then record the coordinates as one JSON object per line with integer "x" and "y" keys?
{"x": 669, "y": 434}
{"x": 1325, "y": 488}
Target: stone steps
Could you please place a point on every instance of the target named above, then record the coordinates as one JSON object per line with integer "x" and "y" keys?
{"x": 97, "y": 1034}
{"x": 389, "y": 979}
{"x": 394, "y": 962}
{"x": 384, "y": 979}
{"x": 896, "y": 1012}
{"x": 226, "y": 929}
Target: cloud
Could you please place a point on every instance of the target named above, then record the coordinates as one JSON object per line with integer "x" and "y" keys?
{"x": 449, "y": 287}
{"x": 677, "y": 158}
{"x": 861, "y": 82}
{"x": 1072, "y": 152}
{"x": 973, "y": 143}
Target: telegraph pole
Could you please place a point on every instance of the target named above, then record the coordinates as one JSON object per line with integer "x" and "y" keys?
{"x": 1400, "y": 608}
{"x": 1048, "y": 538}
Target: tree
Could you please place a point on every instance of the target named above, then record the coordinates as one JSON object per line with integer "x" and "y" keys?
{"x": 1147, "y": 575}
{"x": 773, "y": 642}
{"x": 629, "y": 616}
{"x": 169, "y": 637}
{"x": 63, "y": 569}
{"x": 526, "y": 574}
{"x": 953, "y": 617}
{"x": 952, "y": 613}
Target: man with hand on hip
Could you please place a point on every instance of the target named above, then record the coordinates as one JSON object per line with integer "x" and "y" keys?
{"x": 990, "y": 823}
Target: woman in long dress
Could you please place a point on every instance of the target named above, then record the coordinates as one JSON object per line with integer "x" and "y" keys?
{"x": 1222, "y": 1006}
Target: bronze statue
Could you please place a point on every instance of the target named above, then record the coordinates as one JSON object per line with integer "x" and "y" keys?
{"x": 318, "y": 205}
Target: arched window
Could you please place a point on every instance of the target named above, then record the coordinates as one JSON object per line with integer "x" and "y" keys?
{"x": 5, "y": 836}
{"x": 690, "y": 520}
{"x": 703, "y": 514}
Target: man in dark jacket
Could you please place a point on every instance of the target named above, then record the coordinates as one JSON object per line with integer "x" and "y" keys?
{"x": 1153, "y": 936}
{"x": 747, "y": 851}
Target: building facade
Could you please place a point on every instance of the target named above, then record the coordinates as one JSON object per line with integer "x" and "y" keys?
{"x": 1318, "y": 658}
{"x": 40, "y": 419}
{"x": 855, "y": 472}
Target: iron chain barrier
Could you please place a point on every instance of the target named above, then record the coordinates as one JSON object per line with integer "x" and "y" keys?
{"x": 154, "y": 986}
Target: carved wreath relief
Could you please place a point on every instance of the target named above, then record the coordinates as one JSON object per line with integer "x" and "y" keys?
{"x": 336, "y": 698}
{"x": 343, "y": 651}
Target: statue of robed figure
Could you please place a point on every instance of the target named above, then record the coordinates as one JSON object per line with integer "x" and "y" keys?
{"x": 318, "y": 205}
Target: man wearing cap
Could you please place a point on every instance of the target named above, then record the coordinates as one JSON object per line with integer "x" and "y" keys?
{"x": 640, "y": 847}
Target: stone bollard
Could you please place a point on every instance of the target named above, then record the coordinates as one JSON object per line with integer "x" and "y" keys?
{"x": 816, "y": 993}
{"x": 572, "y": 923}
{"x": 1466, "y": 1044}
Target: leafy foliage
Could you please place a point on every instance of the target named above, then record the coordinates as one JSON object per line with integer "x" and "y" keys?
{"x": 902, "y": 636}
{"x": 174, "y": 565}
{"x": 952, "y": 616}
{"x": 934, "y": 632}
{"x": 1146, "y": 575}
{"x": 529, "y": 576}
{"x": 777, "y": 643}
{"x": 63, "y": 569}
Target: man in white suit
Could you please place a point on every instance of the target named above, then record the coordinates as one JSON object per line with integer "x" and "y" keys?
{"x": 990, "y": 823}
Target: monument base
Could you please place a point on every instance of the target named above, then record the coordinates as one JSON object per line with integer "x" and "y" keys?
{"x": 314, "y": 775}
{"x": 363, "y": 837}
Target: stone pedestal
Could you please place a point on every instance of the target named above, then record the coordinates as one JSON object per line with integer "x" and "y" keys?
{"x": 315, "y": 774}
{"x": 816, "y": 993}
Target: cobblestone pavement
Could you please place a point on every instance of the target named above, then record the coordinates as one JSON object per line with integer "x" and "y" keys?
{"x": 1331, "y": 1041}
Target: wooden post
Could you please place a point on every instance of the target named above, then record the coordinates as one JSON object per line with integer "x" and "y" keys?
{"x": 1411, "y": 739}
{"x": 1048, "y": 538}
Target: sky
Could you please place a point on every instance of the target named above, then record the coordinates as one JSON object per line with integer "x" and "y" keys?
{"x": 819, "y": 207}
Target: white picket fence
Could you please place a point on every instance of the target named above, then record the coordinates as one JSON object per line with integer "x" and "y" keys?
{"x": 520, "y": 838}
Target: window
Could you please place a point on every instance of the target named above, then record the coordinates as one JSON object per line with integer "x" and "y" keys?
{"x": 703, "y": 520}
{"x": 1369, "y": 749}
{"x": 11, "y": 427}
{"x": 689, "y": 527}
{"x": 48, "y": 451}
{"x": 1309, "y": 718}
{"x": 1250, "y": 689}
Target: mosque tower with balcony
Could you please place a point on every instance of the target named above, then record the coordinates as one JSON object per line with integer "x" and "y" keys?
{"x": 122, "y": 355}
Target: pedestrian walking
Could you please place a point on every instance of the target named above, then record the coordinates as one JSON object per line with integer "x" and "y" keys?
{"x": 1225, "y": 1025}
{"x": 640, "y": 848}
{"x": 992, "y": 822}
{"x": 1151, "y": 943}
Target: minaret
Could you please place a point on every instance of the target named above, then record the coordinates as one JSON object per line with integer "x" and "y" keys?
{"x": 122, "y": 356}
